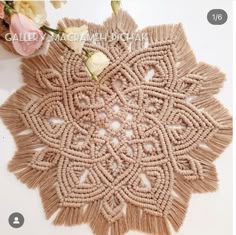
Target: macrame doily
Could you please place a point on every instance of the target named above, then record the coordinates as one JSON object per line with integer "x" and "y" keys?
{"x": 125, "y": 152}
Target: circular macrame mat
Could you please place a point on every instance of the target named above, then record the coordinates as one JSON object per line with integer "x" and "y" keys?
{"x": 125, "y": 152}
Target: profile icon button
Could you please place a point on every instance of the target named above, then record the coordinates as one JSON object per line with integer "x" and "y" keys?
{"x": 16, "y": 220}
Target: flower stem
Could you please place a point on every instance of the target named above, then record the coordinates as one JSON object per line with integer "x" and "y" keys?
{"x": 46, "y": 28}
{"x": 8, "y": 9}
{"x": 87, "y": 53}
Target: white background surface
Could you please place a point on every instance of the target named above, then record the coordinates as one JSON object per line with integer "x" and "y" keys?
{"x": 208, "y": 214}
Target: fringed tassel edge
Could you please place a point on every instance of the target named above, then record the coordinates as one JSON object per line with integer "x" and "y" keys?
{"x": 135, "y": 219}
{"x": 53, "y": 59}
{"x": 218, "y": 142}
{"x": 185, "y": 58}
{"x": 212, "y": 81}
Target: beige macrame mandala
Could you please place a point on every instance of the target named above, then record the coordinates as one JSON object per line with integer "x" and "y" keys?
{"x": 125, "y": 152}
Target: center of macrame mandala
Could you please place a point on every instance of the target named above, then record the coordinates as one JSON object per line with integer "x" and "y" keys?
{"x": 127, "y": 151}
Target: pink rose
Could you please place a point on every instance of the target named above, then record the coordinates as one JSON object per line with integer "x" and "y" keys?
{"x": 2, "y": 11}
{"x": 26, "y": 37}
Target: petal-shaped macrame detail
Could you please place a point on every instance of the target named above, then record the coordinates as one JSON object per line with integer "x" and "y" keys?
{"x": 203, "y": 79}
{"x": 148, "y": 188}
{"x": 50, "y": 79}
{"x": 187, "y": 127}
{"x": 188, "y": 167}
{"x": 45, "y": 159}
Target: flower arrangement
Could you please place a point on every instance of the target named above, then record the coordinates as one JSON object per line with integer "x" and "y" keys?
{"x": 23, "y": 26}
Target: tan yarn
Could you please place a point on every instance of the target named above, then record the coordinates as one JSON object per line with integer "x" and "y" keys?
{"x": 124, "y": 153}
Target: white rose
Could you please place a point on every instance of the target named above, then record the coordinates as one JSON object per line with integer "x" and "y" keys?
{"x": 57, "y": 3}
{"x": 97, "y": 62}
{"x": 35, "y": 10}
{"x": 75, "y": 37}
